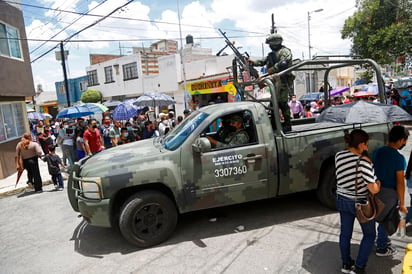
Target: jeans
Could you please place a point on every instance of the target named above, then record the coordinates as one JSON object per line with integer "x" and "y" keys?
{"x": 409, "y": 214}
{"x": 58, "y": 180}
{"x": 383, "y": 238}
{"x": 68, "y": 153}
{"x": 347, "y": 213}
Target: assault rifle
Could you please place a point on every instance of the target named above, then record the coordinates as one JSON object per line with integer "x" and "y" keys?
{"x": 240, "y": 58}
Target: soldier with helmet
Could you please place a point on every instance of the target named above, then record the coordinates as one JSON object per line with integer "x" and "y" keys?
{"x": 280, "y": 58}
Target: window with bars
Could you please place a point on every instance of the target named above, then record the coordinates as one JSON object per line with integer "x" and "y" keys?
{"x": 11, "y": 121}
{"x": 108, "y": 73}
{"x": 9, "y": 41}
{"x": 130, "y": 71}
{"x": 92, "y": 78}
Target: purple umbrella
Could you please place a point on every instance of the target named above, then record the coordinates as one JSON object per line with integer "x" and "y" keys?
{"x": 338, "y": 90}
{"x": 125, "y": 111}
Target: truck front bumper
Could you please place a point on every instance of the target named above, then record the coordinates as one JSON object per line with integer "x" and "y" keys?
{"x": 95, "y": 212}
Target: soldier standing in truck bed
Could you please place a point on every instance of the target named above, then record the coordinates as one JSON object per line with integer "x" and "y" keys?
{"x": 280, "y": 58}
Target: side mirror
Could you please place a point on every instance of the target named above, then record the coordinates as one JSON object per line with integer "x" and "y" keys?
{"x": 201, "y": 145}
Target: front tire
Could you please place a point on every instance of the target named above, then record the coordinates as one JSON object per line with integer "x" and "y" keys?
{"x": 147, "y": 218}
{"x": 326, "y": 191}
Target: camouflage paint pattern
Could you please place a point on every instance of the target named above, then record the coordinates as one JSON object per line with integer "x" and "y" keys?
{"x": 275, "y": 165}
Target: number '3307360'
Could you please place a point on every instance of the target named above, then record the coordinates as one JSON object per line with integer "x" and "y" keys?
{"x": 230, "y": 171}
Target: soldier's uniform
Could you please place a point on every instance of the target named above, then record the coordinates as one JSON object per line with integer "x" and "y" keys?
{"x": 280, "y": 58}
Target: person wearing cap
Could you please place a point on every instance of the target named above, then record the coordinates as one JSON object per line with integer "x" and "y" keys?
{"x": 279, "y": 59}
{"x": 238, "y": 137}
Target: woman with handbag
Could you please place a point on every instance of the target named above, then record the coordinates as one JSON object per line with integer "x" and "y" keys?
{"x": 353, "y": 170}
{"x": 30, "y": 152}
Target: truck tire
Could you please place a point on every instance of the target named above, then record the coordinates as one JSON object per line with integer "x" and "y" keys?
{"x": 147, "y": 218}
{"x": 326, "y": 191}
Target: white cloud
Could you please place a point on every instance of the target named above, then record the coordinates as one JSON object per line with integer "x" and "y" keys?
{"x": 199, "y": 18}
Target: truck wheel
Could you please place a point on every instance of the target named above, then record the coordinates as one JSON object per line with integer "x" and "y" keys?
{"x": 326, "y": 191}
{"x": 147, "y": 218}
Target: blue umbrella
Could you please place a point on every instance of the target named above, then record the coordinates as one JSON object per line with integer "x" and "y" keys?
{"x": 338, "y": 90}
{"x": 74, "y": 112}
{"x": 125, "y": 111}
{"x": 95, "y": 107}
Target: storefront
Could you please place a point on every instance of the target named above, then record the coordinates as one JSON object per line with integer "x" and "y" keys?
{"x": 211, "y": 90}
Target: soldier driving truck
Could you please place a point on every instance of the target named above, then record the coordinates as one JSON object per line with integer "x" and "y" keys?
{"x": 142, "y": 187}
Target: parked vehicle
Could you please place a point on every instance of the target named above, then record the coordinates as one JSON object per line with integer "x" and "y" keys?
{"x": 142, "y": 187}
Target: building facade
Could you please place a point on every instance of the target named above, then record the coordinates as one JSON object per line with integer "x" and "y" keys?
{"x": 76, "y": 88}
{"x": 16, "y": 83}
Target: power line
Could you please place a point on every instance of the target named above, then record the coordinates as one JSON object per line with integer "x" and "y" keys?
{"x": 66, "y": 27}
{"x": 85, "y": 28}
{"x": 128, "y": 18}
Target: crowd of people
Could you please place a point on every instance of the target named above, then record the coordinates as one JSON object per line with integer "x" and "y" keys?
{"x": 80, "y": 137}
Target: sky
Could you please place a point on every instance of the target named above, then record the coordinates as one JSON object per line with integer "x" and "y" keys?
{"x": 247, "y": 22}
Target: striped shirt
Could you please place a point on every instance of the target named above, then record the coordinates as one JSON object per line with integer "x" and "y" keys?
{"x": 345, "y": 162}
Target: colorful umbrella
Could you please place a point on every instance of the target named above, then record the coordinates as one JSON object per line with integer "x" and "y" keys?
{"x": 74, "y": 112}
{"x": 363, "y": 94}
{"x": 35, "y": 116}
{"x": 125, "y": 111}
{"x": 112, "y": 103}
{"x": 96, "y": 107}
{"x": 338, "y": 90}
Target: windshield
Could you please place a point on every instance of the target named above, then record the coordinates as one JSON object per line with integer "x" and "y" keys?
{"x": 177, "y": 136}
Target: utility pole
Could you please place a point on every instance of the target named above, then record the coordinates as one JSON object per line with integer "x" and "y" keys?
{"x": 66, "y": 82}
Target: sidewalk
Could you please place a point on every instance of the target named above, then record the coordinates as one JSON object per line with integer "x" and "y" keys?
{"x": 8, "y": 185}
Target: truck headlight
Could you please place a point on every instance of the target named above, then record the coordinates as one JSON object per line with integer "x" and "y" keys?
{"x": 92, "y": 187}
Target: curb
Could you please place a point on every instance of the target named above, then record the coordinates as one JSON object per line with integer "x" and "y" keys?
{"x": 21, "y": 189}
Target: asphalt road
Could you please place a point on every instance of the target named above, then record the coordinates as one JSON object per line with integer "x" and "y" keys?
{"x": 41, "y": 234}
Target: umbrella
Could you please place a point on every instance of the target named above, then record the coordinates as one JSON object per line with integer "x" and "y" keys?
{"x": 74, "y": 112}
{"x": 338, "y": 90}
{"x": 372, "y": 88}
{"x": 154, "y": 99}
{"x": 125, "y": 111}
{"x": 19, "y": 173}
{"x": 95, "y": 107}
{"x": 364, "y": 112}
{"x": 36, "y": 115}
{"x": 111, "y": 103}
{"x": 364, "y": 94}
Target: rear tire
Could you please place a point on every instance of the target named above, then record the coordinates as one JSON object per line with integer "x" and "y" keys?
{"x": 326, "y": 191}
{"x": 147, "y": 218}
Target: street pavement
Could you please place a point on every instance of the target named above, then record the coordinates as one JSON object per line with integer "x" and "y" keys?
{"x": 8, "y": 185}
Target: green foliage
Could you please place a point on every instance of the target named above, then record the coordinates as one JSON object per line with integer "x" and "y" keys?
{"x": 380, "y": 29}
{"x": 91, "y": 96}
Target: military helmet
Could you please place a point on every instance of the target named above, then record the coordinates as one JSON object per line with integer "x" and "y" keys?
{"x": 274, "y": 39}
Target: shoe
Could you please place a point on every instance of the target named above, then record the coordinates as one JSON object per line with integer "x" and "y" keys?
{"x": 347, "y": 268}
{"x": 56, "y": 187}
{"x": 29, "y": 185}
{"x": 388, "y": 251}
{"x": 60, "y": 188}
{"x": 39, "y": 191}
{"x": 358, "y": 270}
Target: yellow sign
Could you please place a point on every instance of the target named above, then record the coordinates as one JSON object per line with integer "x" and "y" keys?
{"x": 212, "y": 86}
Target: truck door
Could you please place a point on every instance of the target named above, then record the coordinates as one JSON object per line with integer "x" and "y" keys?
{"x": 232, "y": 173}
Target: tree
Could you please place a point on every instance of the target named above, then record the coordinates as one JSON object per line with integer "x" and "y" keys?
{"x": 380, "y": 29}
{"x": 91, "y": 96}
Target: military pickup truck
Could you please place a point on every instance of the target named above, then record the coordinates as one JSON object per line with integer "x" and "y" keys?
{"x": 142, "y": 187}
